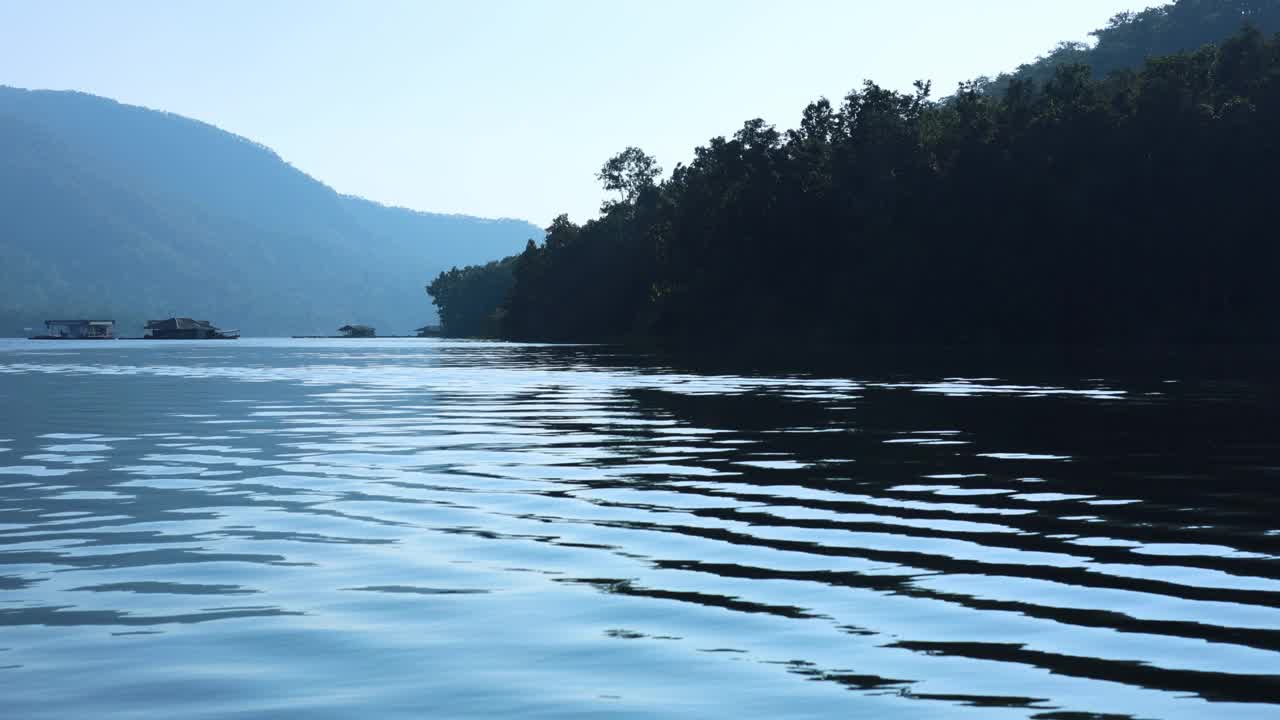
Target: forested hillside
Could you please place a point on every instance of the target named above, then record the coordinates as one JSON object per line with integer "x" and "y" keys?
{"x": 1135, "y": 208}
{"x": 119, "y": 211}
{"x": 1132, "y": 37}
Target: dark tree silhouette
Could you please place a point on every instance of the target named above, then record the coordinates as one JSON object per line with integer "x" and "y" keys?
{"x": 629, "y": 173}
{"x": 1134, "y": 207}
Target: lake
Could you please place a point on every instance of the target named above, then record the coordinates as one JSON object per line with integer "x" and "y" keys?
{"x": 426, "y": 528}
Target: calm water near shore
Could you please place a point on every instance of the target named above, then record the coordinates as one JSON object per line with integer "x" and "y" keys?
{"x": 424, "y": 528}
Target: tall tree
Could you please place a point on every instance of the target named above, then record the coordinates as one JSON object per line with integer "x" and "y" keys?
{"x": 628, "y": 173}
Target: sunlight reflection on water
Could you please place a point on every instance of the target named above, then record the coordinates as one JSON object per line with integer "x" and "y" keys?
{"x": 399, "y": 528}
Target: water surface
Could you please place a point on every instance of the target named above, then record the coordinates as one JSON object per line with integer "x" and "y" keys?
{"x": 388, "y": 529}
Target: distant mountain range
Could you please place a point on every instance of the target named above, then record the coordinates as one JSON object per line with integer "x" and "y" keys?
{"x": 115, "y": 211}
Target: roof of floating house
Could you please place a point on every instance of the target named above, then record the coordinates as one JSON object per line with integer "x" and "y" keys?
{"x": 181, "y": 324}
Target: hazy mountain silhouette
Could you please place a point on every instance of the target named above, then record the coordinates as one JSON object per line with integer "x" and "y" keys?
{"x": 114, "y": 210}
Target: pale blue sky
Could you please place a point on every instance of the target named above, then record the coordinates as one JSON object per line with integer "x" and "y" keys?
{"x": 508, "y": 107}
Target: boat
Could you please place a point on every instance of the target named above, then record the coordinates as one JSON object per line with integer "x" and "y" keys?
{"x": 78, "y": 330}
{"x": 177, "y": 328}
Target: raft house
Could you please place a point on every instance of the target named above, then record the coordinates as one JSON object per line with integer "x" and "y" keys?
{"x": 78, "y": 330}
{"x": 177, "y": 328}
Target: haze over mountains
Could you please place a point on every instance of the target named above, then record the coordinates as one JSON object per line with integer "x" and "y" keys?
{"x": 111, "y": 210}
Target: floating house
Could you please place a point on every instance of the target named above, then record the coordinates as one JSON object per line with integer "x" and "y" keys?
{"x": 187, "y": 329}
{"x": 78, "y": 330}
{"x": 357, "y": 331}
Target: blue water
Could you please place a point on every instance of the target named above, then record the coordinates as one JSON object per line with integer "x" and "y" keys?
{"x": 421, "y": 528}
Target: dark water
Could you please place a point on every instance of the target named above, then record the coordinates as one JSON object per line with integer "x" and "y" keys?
{"x": 383, "y": 529}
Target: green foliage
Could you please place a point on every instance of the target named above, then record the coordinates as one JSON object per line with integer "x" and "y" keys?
{"x": 1135, "y": 208}
{"x": 629, "y": 173}
{"x": 1130, "y": 38}
{"x": 469, "y": 299}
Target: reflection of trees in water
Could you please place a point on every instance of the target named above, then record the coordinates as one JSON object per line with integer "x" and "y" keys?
{"x": 625, "y": 479}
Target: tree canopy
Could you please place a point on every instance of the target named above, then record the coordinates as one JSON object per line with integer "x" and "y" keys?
{"x": 1130, "y": 208}
{"x": 1130, "y": 38}
{"x": 467, "y": 299}
{"x": 629, "y": 173}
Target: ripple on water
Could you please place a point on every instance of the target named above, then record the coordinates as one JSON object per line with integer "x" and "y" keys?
{"x": 400, "y": 528}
